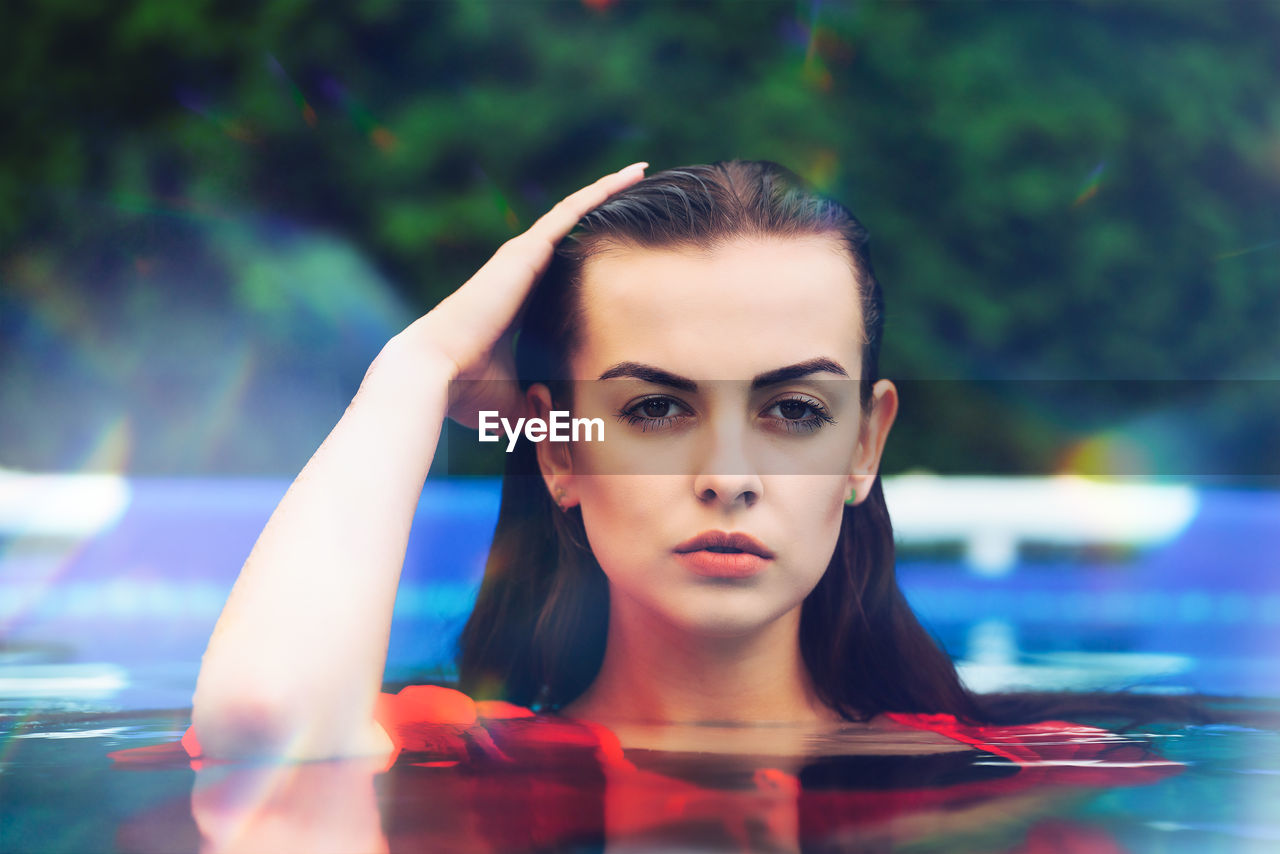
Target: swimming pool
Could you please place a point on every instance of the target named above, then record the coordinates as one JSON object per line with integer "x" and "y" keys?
{"x": 104, "y": 624}
{"x": 63, "y": 794}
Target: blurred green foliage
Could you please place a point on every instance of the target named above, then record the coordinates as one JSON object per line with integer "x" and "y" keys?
{"x": 1055, "y": 190}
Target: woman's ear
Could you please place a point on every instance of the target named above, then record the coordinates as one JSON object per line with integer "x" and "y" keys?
{"x": 554, "y": 459}
{"x": 875, "y": 430}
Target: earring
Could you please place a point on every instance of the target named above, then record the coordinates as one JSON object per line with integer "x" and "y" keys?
{"x": 560, "y": 495}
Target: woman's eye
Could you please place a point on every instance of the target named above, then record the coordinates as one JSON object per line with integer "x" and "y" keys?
{"x": 793, "y": 411}
{"x": 656, "y": 408}
{"x": 652, "y": 413}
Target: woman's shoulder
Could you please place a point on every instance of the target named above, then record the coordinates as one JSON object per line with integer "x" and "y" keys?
{"x": 452, "y": 727}
{"x": 441, "y": 704}
{"x": 439, "y": 720}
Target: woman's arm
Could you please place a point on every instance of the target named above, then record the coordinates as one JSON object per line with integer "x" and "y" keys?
{"x": 295, "y": 663}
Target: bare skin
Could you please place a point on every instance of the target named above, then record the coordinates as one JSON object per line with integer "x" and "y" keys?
{"x": 682, "y": 647}
{"x": 295, "y": 662}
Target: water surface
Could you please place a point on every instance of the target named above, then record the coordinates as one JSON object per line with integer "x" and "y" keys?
{"x": 62, "y": 793}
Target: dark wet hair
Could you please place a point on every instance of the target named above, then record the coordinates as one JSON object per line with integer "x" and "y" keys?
{"x": 538, "y": 631}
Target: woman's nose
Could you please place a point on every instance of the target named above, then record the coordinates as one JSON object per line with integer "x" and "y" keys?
{"x": 727, "y": 475}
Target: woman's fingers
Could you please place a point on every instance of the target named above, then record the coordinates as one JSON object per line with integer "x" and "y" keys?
{"x": 468, "y": 325}
{"x": 529, "y": 253}
{"x": 560, "y": 220}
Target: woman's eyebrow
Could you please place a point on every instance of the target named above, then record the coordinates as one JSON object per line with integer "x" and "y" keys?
{"x": 798, "y": 370}
{"x": 649, "y": 374}
{"x": 658, "y": 376}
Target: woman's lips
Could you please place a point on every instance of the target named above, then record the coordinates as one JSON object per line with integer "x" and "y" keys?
{"x": 719, "y": 554}
{"x": 723, "y": 564}
{"x": 722, "y": 540}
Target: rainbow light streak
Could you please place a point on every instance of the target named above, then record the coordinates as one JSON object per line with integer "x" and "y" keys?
{"x": 381, "y": 137}
{"x": 299, "y": 100}
{"x": 224, "y": 401}
{"x": 1238, "y": 252}
{"x": 821, "y": 45}
{"x": 500, "y": 202}
{"x": 1091, "y": 184}
{"x": 1111, "y": 451}
{"x": 58, "y": 321}
{"x": 823, "y": 170}
{"x": 18, "y": 724}
{"x": 233, "y": 128}
{"x": 815, "y": 71}
{"x": 72, "y": 507}
{"x": 111, "y": 449}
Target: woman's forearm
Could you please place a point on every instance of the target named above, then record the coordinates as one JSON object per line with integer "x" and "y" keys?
{"x": 296, "y": 659}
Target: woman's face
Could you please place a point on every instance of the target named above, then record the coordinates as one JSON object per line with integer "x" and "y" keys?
{"x": 676, "y": 351}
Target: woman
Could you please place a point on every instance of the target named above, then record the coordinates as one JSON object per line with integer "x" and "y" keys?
{"x": 724, "y": 323}
{"x": 700, "y": 606}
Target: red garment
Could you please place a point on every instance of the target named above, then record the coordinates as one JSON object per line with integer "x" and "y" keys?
{"x": 432, "y": 719}
{"x": 494, "y": 772}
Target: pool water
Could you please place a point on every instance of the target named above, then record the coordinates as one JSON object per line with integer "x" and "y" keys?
{"x": 102, "y": 624}
{"x": 61, "y": 792}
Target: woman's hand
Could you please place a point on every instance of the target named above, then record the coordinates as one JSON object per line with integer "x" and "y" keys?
{"x": 471, "y": 330}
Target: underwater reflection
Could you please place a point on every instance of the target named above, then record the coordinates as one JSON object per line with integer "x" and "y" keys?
{"x": 542, "y": 784}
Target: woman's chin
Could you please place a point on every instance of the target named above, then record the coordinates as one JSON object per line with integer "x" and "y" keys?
{"x": 724, "y": 621}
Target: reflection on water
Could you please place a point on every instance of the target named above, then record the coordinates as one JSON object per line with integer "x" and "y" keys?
{"x": 1207, "y": 788}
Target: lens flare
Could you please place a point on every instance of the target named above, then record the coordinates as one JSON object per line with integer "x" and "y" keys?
{"x": 299, "y": 100}
{"x": 1091, "y": 184}
{"x": 378, "y": 134}
{"x": 1270, "y": 244}
{"x": 501, "y": 202}
{"x": 232, "y": 127}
